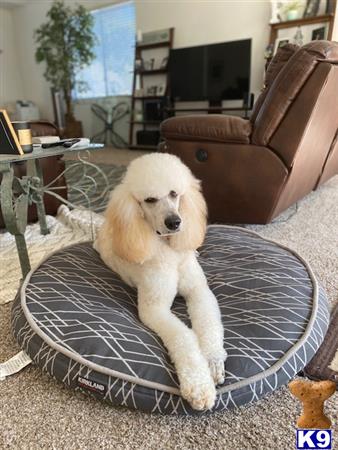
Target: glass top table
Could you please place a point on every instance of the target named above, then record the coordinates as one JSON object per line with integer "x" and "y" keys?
{"x": 17, "y": 193}
{"x": 39, "y": 152}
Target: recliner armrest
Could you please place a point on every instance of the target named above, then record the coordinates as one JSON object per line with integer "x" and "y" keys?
{"x": 43, "y": 128}
{"x": 211, "y": 127}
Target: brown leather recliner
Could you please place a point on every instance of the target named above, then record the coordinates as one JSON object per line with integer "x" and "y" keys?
{"x": 52, "y": 167}
{"x": 252, "y": 170}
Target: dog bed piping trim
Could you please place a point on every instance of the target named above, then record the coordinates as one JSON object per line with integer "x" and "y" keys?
{"x": 171, "y": 390}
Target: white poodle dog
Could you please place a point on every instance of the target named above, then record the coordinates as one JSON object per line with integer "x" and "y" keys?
{"x": 154, "y": 222}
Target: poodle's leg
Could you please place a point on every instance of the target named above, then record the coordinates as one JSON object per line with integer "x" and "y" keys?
{"x": 204, "y": 314}
{"x": 155, "y": 298}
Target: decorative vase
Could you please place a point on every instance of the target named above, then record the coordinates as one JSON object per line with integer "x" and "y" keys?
{"x": 298, "y": 38}
{"x": 292, "y": 14}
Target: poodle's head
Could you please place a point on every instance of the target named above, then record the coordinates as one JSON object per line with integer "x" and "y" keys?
{"x": 158, "y": 198}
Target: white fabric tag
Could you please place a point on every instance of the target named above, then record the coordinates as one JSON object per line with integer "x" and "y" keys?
{"x": 14, "y": 365}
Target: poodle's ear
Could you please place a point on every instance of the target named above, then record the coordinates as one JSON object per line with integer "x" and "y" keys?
{"x": 130, "y": 235}
{"x": 193, "y": 211}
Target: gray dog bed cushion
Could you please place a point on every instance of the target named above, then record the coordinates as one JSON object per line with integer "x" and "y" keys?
{"x": 78, "y": 321}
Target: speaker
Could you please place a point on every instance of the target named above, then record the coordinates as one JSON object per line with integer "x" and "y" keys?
{"x": 154, "y": 110}
{"x": 248, "y": 100}
{"x": 148, "y": 137}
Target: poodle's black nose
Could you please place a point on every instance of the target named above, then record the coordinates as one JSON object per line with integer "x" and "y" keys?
{"x": 172, "y": 222}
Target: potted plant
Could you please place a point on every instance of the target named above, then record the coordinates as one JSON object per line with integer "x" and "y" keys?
{"x": 65, "y": 43}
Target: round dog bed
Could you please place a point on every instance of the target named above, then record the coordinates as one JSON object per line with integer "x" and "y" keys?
{"x": 78, "y": 321}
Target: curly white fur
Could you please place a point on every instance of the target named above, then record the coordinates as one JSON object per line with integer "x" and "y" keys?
{"x": 135, "y": 242}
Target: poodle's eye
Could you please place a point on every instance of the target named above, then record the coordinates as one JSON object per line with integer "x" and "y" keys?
{"x": 151, "y": 200}
{"x": 173, "y": 194}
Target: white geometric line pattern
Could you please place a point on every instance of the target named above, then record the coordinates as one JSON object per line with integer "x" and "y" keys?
{"x": 266, "y": 297}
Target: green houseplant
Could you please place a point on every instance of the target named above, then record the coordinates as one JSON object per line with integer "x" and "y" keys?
{"x": 65, "y": 43}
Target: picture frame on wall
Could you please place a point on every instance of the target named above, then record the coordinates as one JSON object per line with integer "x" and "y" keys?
{"x": 311, "y": 8}
{"x": 280, "y": 42}
{"x": 58, "y": 108}
{"x": 154, "y": 37}
{"x": 318, "y": 34}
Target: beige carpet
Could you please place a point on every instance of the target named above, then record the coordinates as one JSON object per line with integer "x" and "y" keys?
{"x": 334, "y": 362}
{"x": 108, "y": 155}
{"x": 69, "y": 227}
{"x": 37, "y": 412}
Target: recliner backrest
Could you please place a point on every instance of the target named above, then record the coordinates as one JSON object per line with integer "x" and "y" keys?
{"x": 286, "y": 86}
{"x": 275, "y": 66}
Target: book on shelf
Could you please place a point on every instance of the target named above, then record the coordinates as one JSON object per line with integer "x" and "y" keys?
{"x": 45, "y": 139}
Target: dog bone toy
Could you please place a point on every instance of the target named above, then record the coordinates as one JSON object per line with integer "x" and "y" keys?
{"x": 313, "y": 395}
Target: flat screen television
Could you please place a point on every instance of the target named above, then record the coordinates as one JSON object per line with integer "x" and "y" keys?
{"x": 211, "y": 72}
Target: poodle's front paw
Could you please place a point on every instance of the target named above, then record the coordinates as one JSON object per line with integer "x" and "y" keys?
{"x": 216, "y": 359}
{"x": 200, "y": 395}
{"x": 216, "y": 366}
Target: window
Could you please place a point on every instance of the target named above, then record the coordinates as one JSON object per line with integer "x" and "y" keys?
{"x": 111, "y": 73}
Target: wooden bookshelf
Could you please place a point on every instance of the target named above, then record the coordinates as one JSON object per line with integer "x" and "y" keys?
{"x": 137, "y": 100}
{"x": 155, "y": 45}
{"x": 151, "y": 72}
{"x": 325, "y": 18}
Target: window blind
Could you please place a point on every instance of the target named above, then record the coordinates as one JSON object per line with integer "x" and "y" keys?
{"x": 111, "y": 73}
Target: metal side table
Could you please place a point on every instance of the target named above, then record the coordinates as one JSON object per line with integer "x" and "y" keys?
{"x": 17, "y": 193}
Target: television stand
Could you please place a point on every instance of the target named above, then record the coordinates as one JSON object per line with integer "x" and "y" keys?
{"x": 217, "y": 108}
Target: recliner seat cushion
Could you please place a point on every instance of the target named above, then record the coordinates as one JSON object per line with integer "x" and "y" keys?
{"x": 213, "y": 127}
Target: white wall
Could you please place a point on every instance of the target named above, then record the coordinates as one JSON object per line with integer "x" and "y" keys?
{"x": 335, "y": 26}
{"x": 11, "y": 87}
{"x": 196, "y": 22}
{"x": 28, "y": 18}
